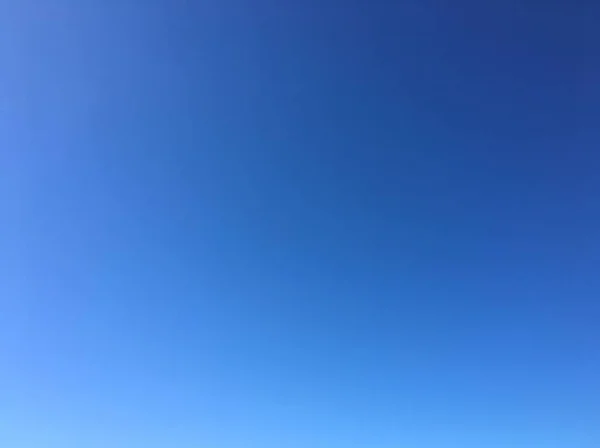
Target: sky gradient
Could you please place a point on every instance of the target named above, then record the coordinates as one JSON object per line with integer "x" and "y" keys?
{"x": 324, "y": 224}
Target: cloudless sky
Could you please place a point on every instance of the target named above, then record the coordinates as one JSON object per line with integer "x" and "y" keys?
{"x": 324, "y": 224}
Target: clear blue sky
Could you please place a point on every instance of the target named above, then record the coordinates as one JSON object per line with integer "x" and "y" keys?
{"x": 314, "y": 224}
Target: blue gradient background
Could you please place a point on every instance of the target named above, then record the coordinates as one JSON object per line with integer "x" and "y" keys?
{"x": 256, "y": 224}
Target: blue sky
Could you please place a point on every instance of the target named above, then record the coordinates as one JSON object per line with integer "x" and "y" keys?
{"x": 239, "y": 224}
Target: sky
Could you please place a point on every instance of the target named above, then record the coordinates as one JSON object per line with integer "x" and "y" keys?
{"x": 324, "y": 224}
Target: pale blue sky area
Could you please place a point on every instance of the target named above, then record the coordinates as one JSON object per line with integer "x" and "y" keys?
{"x": 316, "y": 224}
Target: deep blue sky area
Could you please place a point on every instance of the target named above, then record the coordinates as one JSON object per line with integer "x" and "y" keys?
{"x": 313, "y": 224}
